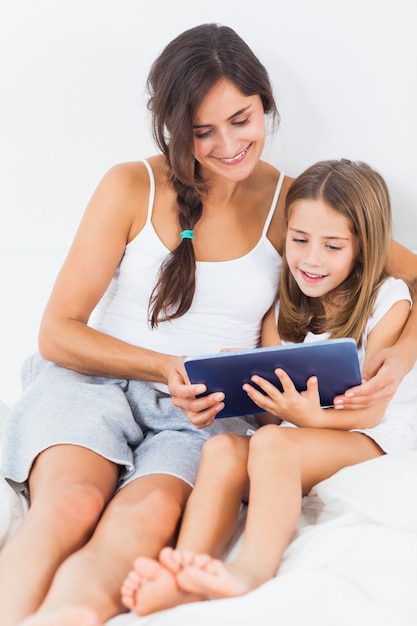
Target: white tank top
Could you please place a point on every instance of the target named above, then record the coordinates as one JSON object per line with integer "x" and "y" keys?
{"x": 230, "y": 300}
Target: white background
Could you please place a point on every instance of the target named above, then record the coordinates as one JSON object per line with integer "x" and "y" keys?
{"x": 73, "y": 103}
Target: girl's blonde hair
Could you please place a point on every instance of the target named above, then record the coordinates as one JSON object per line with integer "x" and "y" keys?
{"x": 359, "y": 193}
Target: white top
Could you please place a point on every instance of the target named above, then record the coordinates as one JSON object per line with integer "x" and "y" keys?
{"x": 397, "y": 431}
{"x": 230, "y": 301}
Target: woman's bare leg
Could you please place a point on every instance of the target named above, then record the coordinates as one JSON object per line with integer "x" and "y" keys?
{"x": 69, "y": 488}
{"x": 209, "y": 521}
{"x": 71, "y": 616}
{"x": 284, "y": 464}
{"x": 140, "y": 519}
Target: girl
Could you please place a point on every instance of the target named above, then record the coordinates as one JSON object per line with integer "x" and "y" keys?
{"x": 334, "y": 283}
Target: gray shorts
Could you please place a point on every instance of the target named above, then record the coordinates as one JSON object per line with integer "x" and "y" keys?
{"x": 128, "y": 422}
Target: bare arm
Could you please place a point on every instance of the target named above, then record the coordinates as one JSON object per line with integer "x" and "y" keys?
{"x": 304, "y": 410}
{"x": 115, "y": 213}
{"x": 269, "y": 331}
{"x": 384, "y": 371}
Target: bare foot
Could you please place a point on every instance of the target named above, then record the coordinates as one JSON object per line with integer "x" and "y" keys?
{"x": 69, "y": 616}
{"x": 212, "y": 578}
{"x": 151, "y": 586}
{"x": 175, "y": 560}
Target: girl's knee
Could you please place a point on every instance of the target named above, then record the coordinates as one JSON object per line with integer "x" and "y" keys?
{"x": 223, "y": 456}
{"x": 225, "y": 445}
{"x": 272, "y": 437}
{"x": 274, "y": 447}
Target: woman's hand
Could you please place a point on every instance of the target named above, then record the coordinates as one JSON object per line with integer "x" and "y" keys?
{"x": 301, "y": 409}
{"x": 200, "y": 411}
{"x": 381, "y": 377}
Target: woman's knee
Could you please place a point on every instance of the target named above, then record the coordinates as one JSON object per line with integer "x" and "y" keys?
{"x": 153, "y": 516}
{"x": 163, "y": 503}
{"x": 149, "y": 497}
{"x": 74, "y": 480}
{"x": 76, "y": 506}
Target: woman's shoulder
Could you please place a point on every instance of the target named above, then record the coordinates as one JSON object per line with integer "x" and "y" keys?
{"x": 125, "y": 190}
{"x": 135, "y": 173}
{"x": 274, "y": 172}
{"x": 273, "y": 177}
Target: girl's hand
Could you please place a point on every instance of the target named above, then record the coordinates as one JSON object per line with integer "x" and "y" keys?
{"x": 301, "y": 409}
{"x": 200, "y": 411}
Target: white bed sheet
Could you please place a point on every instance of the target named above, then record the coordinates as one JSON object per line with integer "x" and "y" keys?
{"x": 352, "y": 560}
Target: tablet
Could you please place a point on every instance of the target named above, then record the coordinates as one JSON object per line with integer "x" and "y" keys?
{"x": 334, "y": 362}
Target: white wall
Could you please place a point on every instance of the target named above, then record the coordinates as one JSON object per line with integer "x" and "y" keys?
{"x": 72, "y": 103}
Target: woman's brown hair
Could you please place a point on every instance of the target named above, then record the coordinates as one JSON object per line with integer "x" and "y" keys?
{"x": 180, "y": 78}
{"x": 360, "y": 194}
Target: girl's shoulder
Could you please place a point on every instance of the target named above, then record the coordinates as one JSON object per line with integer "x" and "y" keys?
{"x": 392, "y": 290}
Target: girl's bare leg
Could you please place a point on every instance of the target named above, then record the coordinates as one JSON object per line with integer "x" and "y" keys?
{"x": 213, "y": 507}
{"x": 284, "y": 464}
{"x": 209, "y": 521}
{"x": 69, "y": 488}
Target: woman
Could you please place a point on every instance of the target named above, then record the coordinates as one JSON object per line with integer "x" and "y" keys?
{"x": 176, "y": 255}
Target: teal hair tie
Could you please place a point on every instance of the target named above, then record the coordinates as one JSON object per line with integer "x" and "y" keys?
{"x": 187, "y": 234}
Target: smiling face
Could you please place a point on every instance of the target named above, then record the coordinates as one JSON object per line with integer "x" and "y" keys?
{"x": 229, "y": 132}
{"x": 321, "y": 250}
